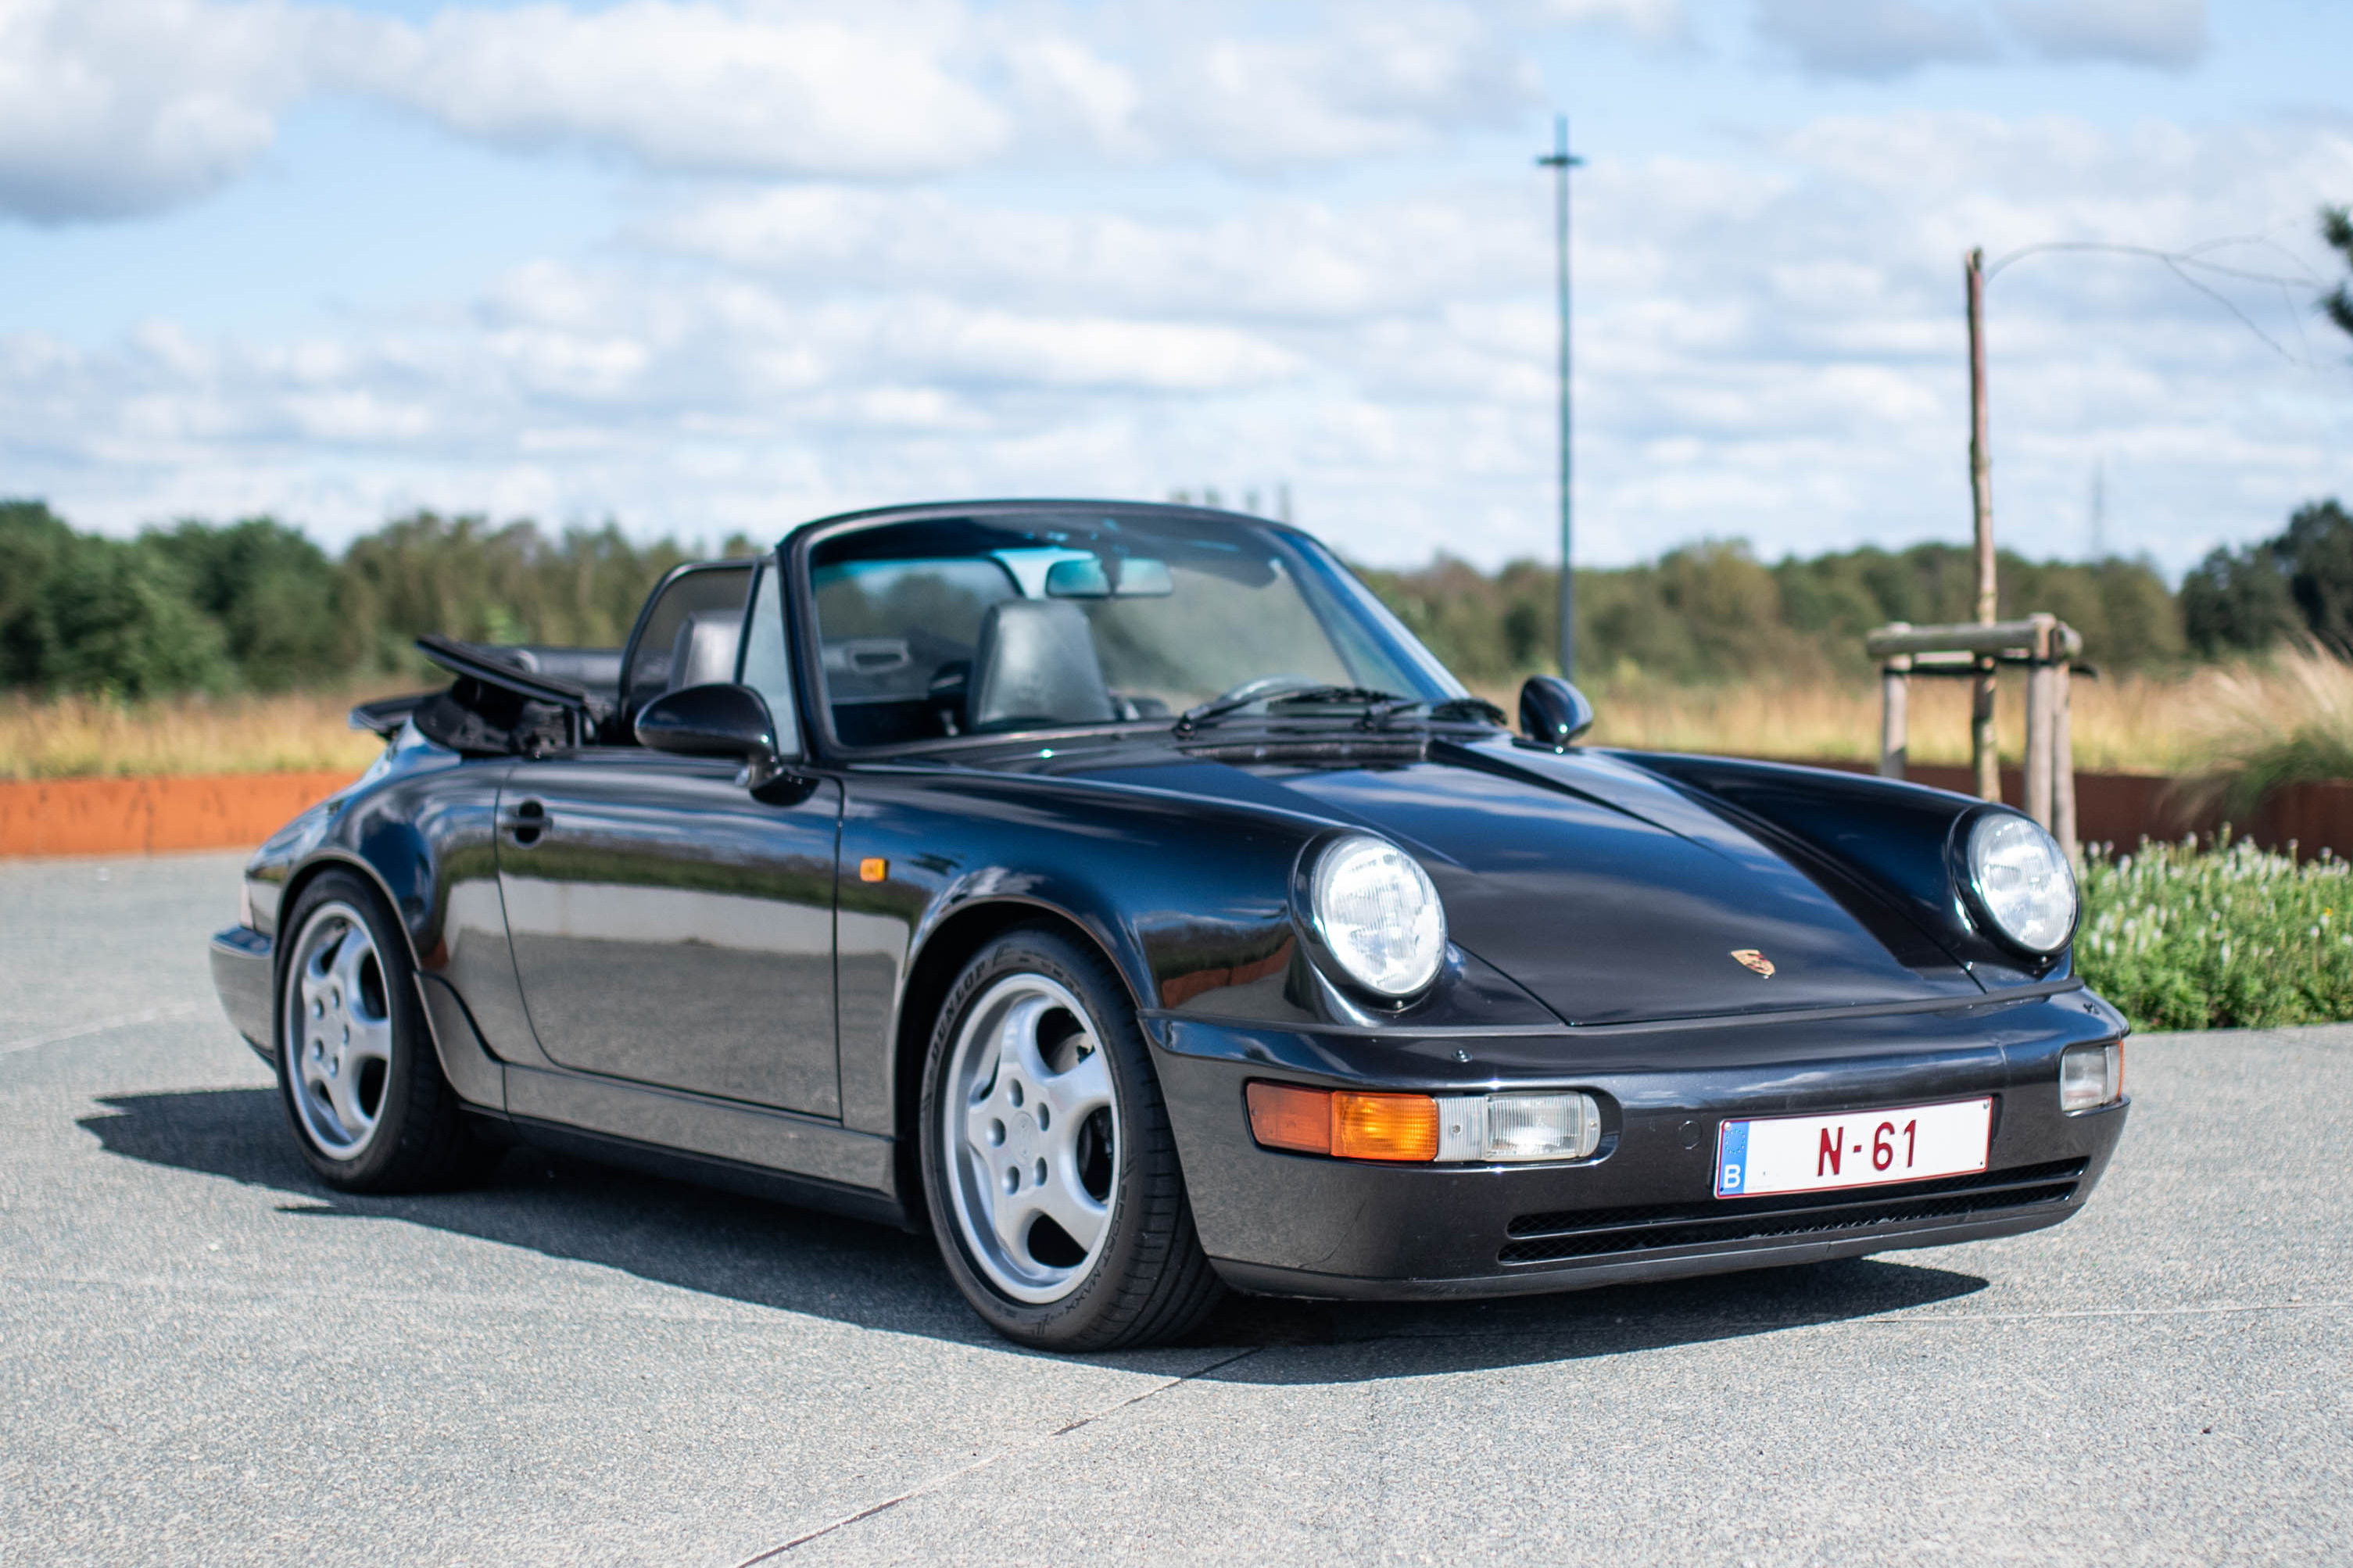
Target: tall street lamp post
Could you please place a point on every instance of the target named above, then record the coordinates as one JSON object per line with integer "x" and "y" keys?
{"x": 1560, "y": 163}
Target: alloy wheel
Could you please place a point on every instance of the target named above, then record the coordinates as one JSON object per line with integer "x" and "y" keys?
{"x": 338, "y": 1031}
{"x": 1031, "y": 1122}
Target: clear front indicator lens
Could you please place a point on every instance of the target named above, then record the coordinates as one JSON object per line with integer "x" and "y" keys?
{"x": 2091, "y": 1077}
{"x": 1379, "y": 916}
{"x": 1454, "y": 1128}
{"x": 2023, "y": 880}
{"x": 1490, "y": 1128}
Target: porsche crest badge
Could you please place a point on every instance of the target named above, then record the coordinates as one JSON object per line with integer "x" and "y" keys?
{"x": 1754, "y": 960}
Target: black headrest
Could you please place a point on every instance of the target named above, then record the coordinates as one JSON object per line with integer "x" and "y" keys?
{"x": 1036, "y": 662}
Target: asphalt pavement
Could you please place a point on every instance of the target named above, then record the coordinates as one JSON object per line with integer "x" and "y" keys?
{"x": 205, "y": 1357}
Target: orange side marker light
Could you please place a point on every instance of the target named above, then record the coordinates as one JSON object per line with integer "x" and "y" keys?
{"x": 1285, "y": 1117}
{"x": 873, "y": 868}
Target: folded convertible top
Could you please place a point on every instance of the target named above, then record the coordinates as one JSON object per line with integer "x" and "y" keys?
{"x": 499, "y": 704}
{"x": 502, "y": 668}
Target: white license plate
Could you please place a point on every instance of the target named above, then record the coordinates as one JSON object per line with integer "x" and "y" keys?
{"x": 1857, "y": 1149}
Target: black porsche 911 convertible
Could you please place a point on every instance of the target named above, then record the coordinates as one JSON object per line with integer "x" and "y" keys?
{"x": 1123, "y": 893}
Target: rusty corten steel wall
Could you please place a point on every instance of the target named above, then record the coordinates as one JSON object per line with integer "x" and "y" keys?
{"x": 150, "y": 815}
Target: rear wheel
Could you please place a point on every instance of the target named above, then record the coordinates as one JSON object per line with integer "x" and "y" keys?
{"x": 356, "y": 1064}
{"x": 1049, "y": 1168}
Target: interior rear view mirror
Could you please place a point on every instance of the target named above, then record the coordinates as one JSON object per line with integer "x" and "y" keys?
{"x": 1078, "y": 578}
{"x": 1094, "y": 577}
{"x": 1141, "y": 578}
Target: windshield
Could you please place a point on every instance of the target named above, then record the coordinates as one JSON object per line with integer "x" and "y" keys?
{"x": 955, "y": 627}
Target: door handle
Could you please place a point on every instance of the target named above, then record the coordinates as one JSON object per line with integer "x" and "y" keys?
{"x": 524, "y": 821}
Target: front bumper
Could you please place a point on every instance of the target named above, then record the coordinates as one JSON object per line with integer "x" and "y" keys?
{"x": 1642, "y": 1207}
{"x": 242, "y": 974}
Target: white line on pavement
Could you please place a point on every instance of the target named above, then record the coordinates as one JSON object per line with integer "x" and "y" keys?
{"x": 152, "y": 1015}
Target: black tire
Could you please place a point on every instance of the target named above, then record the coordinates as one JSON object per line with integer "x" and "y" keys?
{"x": 416, "y": 1139}
{"x": 1150, "y": 1282}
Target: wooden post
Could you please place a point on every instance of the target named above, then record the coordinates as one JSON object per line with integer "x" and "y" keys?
{"x": 1983, "y": 757}
{"x": 1895, "y": 712}
{"x": 2042, "y": 720}
{"x": 2062, "y": 752}
{"x": 1964, "y": 648}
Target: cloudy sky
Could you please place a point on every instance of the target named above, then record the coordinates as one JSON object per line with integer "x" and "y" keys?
{"x": 710, "y": 265}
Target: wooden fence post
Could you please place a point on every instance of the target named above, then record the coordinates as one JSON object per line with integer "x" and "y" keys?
{"x": 2040, "y": 719}
{"x": 1971, "y": 650}
{"x": 1895, "y": 712}
{"x": 2062, "y": 748}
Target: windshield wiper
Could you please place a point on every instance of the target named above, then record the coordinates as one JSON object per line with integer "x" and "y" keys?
{"x": 1451, "y": 708}
{"x": 1194, "y": 717}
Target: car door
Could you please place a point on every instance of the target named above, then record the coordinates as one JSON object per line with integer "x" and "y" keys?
{"x": 670, "y": 926}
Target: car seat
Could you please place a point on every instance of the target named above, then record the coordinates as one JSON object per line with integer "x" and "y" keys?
{"x": 1036, "y": 662}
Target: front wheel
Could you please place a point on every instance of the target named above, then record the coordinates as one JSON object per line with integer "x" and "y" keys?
{"x": 1049, "y": 1169}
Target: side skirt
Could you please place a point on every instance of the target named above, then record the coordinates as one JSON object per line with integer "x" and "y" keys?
{"x": 712, "y": 1170}
{"x": 723, "y": 1135}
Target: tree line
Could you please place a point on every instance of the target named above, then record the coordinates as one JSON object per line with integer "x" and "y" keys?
{"x": 257, "y": 606}
{"x": 1713, "y": 611}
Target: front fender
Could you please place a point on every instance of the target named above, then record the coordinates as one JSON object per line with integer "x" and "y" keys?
{"x": 1189, "y": 900}
{"x": 1889, "y": 837}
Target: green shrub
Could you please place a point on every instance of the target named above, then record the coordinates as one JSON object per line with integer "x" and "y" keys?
{"x": 2228, "y": 938}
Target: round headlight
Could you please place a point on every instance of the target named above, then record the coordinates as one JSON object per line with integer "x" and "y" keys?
{"x": 1379, "y": 915}
{"x": 2022, "y": 881}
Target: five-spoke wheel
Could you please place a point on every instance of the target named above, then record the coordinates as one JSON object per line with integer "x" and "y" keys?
{"x": 1049, "y": 1168}
{"x": 1030, "y": 1109}
{"x": 339, "y": 1030}
{"x": 355, "y": 1063}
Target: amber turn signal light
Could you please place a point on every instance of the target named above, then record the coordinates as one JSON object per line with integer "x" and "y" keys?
{"x": 1402, "y": 1127}
{"x": 1384, "y": 1126}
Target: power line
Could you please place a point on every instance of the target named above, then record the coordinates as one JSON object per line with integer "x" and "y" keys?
{"x": 2179, "y": 263}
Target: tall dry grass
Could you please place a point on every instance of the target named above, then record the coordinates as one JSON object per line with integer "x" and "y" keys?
{"x": 80, "y": 737}
{"x": 2288, "y": 723}
{"x": 2242, "y": 723}
{"x": 2177, "y": 724}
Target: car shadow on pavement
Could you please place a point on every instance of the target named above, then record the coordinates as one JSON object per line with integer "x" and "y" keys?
{"x": 772, "y": 1255}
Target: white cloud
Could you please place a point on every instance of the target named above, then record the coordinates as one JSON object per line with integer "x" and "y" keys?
{"x": 1652, "y": 20}
{"x": 1881, "y": 39}
{"x": 110, "y": 108}
{"x": 1366, "y": 81}
{"x": 1284, "y": 259}
{"x": 759, "y": 87}
{"x": 2167, "y": 33}
{"x": 1873, "y": 39}
{"x": 115, "y": 107}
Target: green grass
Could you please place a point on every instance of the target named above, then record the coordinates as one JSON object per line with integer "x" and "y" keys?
{"x": 2226, "y": 938}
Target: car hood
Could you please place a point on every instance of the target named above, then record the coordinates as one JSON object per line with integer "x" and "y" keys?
{"x": 1609, "y": 895}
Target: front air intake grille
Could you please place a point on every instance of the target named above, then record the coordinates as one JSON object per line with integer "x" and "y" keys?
{"x": 1589, "y": 1233}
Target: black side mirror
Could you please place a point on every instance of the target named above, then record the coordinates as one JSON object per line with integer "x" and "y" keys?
{"x": 721, "y": 720}
{"x": 1553, "y": 712}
